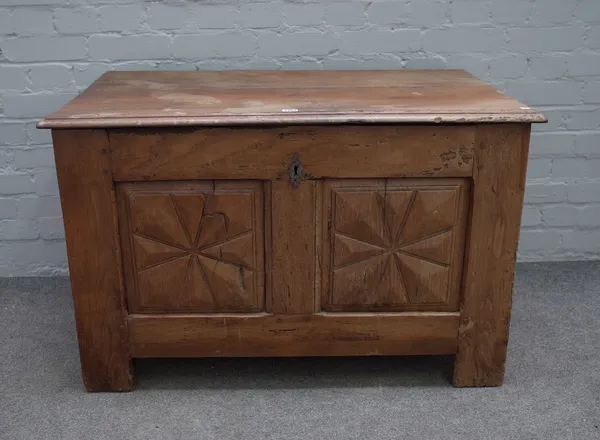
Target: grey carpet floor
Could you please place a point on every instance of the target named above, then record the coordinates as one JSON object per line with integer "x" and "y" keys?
{"x": 552, "y": 388}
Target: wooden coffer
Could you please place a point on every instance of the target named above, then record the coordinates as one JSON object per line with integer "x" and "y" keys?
{"x": 291, "y": 214}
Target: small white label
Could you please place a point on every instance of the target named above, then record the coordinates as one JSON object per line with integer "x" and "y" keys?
{"x": 289, "y": 110}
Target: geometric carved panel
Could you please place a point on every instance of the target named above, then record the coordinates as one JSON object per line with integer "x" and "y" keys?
{"x": 193, "y": 246}
{"x": 393, "y": 244}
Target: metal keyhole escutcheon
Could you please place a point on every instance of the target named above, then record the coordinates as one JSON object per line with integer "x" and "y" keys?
{"x": 295, "y": 171}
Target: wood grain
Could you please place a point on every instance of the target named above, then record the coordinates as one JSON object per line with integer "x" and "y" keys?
{"x": 132, "y": 99}
{"x": 89, "y": 212}
{"x": 393, "y": 244}
{"x": 399, "y": 239}
{"x": 293, "y": 250}
{"x": 193, "y": 246}
{"x": 263, "y": 153}
{"x": 293, "y": 335}
{"x": 498, "y": 188}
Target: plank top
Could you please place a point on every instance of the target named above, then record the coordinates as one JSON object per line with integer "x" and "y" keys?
{"x": 158, "y": 98}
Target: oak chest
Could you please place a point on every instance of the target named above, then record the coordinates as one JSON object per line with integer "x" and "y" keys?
{"x": 291, "y": 214}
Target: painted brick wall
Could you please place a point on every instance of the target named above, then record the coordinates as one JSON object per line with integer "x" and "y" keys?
{"x": 544, "y": 52}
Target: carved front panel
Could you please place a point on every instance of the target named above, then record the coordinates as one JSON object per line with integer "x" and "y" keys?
{"x": 393, "y": 244}
{"x": 193, "y": 246}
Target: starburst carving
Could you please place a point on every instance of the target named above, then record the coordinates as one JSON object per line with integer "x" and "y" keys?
{"x": 392, "y": 246}
{"x": 194, "y": 250}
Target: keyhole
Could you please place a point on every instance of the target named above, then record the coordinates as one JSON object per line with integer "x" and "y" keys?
{"x": 295, "y": 171}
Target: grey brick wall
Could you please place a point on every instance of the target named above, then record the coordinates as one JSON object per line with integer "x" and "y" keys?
{"x": 544, "y": 52}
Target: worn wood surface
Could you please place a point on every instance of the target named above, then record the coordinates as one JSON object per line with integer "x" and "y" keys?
{"x": 293, "y": 335}
{"x": 399, "y": 239}
{"x": 327, "y": 151}
{"x": 89, "y": 212}
{"x": 132, "y": 99}
{"x": 498, "y": 188}
{"x": 193, "y": 246}
{"x": 393, "y": 244}
{"x": 293, "y": 252}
